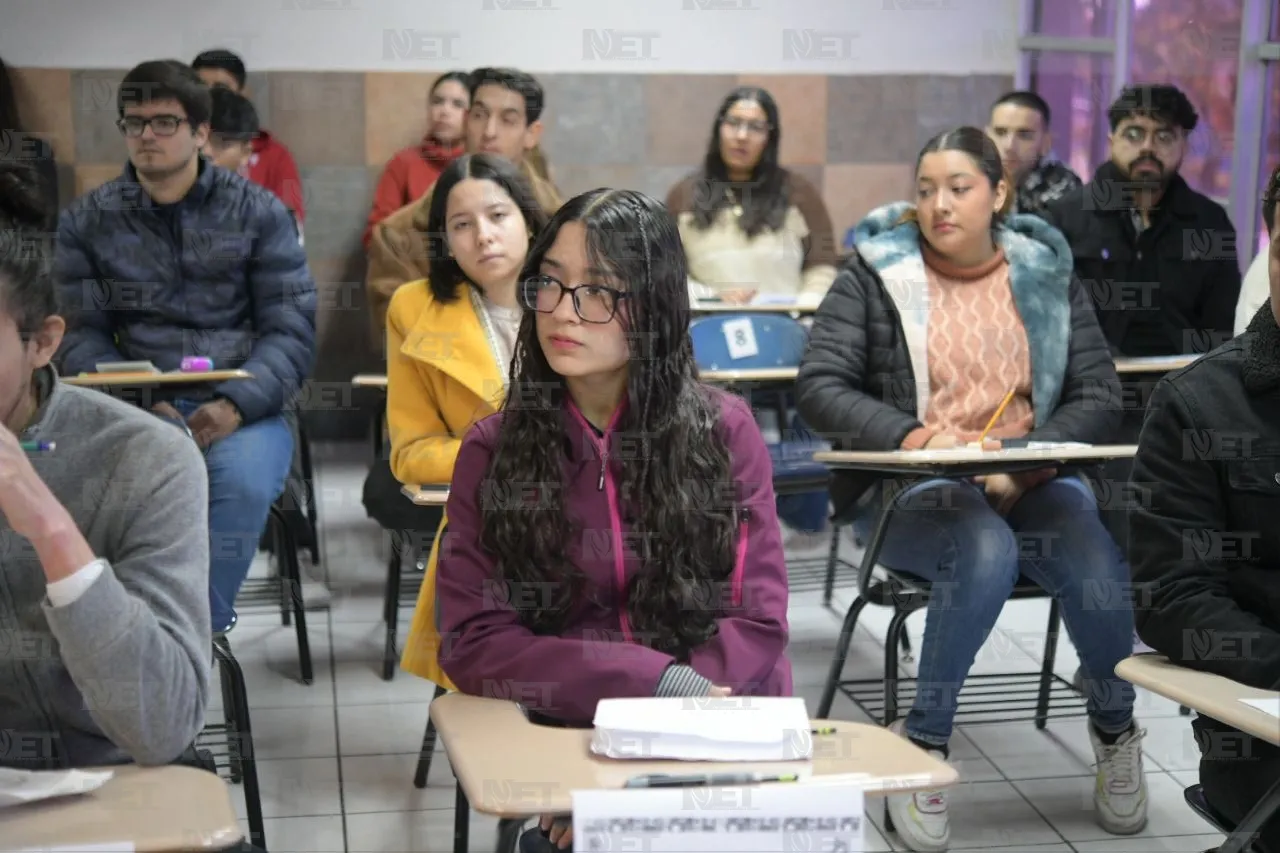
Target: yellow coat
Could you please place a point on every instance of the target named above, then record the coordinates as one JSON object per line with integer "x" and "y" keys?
{"x": 443, "y": 375}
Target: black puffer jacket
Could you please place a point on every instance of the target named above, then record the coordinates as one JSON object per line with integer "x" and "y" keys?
{"x": 864, "y": 379}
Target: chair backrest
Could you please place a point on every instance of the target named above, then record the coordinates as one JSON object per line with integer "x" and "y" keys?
{"x": 747, "y": 341}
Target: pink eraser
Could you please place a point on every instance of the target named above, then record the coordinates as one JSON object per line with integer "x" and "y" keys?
{"x": 196, "y": 364}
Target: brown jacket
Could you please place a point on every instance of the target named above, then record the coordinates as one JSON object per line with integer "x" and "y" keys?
{"x": 398, "y": 249}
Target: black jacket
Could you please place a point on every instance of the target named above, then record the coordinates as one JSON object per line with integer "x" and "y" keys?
{"x": 858, "y": 384}
{"x": 1204, "y": 542}
{"x": 1173, "y": 289}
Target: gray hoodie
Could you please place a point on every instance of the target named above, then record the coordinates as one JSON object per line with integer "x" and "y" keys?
{"x": 122, "y": 673}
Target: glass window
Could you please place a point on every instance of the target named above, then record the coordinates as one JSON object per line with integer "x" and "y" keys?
{"x": 1194, "y": 45}
{"x": 1077, "y": 87}
{"x": 1074, "y": 18}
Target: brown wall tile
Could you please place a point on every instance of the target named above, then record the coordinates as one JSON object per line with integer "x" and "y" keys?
{"x": 90, "y": 176}
{"x": 320, "y": 116}
{"x": 802, "y": 103}
{"x": 44, "y": 104}
{"x": 871, "y": 119}
{"x": 395, "y": 112}
{"x": 94, "y": 113}
{"x": 852, "y": 190}
{"x": 681, "y": 108}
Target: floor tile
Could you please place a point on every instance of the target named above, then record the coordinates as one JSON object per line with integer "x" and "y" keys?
{"x": 1168, "y": 844}
{"x": 305, "y": 835}
{"x": 988, "y": 815}
{"x": 389, "y": 729}
{"x": 420, "y": 832}
{"x": 384, "y": 783}
{"x": 1068, "y": 805}
{"x": 306, "y": 732}
{"x": 301, "y": 787}
{"x": 1170, "y": 743}
{"x": 1021, "y": 751}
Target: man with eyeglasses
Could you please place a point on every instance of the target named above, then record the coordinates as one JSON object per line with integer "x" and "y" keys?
{"x": 177, "y": 258}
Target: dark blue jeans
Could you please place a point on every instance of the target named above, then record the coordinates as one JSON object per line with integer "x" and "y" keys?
{"x": 806, "y": 512}
{"x": 945, "y": 532}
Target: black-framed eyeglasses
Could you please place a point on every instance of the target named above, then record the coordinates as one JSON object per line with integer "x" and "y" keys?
{"x": 162, "y": 125}
{"x": 1162, "y": 137}
{"x": 594, "y": 303}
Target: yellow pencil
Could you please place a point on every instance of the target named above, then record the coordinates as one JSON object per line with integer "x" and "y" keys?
{"x": 1004, "y": 404}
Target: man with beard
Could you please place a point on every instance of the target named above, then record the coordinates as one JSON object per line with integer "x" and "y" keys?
{"x": 178, "y": 258}
{"x": 1158, "y": 257}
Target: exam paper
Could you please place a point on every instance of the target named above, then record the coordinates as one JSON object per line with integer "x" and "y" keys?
{"x": 30, "y": 786}
{"x": 743, "y": 728}
{"x": 1267, "y": 706}
{"x": 773, "y": 818}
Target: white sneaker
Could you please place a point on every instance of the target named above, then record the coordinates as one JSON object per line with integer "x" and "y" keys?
{"x": 920, "y": 819}
{"x": 1120, "y": 793}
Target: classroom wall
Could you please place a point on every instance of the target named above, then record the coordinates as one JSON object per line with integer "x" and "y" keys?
{"x": 861, "y": 84}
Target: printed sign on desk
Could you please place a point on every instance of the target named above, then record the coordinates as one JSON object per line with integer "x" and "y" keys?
{"x": 740, "y": 336}
{"x": 774, "y": 818}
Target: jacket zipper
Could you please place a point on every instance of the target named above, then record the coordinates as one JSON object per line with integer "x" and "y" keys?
{"x": 740, "y": 558}
{"x": 604, "y": 466}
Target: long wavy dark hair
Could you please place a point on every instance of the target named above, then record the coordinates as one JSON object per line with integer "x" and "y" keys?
{"x": 677, "y": 488}
{"x": 765, "y": 197}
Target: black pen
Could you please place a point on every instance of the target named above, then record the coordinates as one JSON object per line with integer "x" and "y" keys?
{"x": 662, "y": 780}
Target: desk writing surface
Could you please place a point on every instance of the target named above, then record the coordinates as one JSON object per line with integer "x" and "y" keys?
{"x": 510, "y": 767}
{"x": 106, "y": 380}
{"x": 965, "y": 461}
{"x": 426, "y": 495}
{"x": 753, "y": 374}
{"x": 369, "y": 380}
{"x": 1211, "y": 695}
{"x": 1153, "y": 364}
{"x": 701, "y": 307}
{"x": 156, "y": 809}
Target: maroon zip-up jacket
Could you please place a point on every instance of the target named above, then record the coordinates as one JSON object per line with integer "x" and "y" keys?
{"x": 488, "y": 652}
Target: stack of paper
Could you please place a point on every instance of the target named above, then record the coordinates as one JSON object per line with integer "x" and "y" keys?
{"x": 748, "y": 728}
{"x": 18, "y": 787}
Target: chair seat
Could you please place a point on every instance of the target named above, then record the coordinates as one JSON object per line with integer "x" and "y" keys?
{"x": 1194, "y": 796}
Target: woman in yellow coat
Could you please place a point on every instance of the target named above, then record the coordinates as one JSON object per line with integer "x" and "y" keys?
{"x": 450, "y": 340}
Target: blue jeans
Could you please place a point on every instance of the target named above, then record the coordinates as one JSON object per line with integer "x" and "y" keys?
{"x": 946, "y": 533}
{"x": 806, "y": 512}
{"x": 247, "y": 472}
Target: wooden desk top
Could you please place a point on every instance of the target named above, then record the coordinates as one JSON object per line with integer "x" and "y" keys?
{"x": 107, "y": 380}
{"x": 156, "y": 809}
{"x": 701, "y": 307}
{"x": 369, "y": 380}
{"x": 1211, "y": 695}
{"x": 510, "y": 767}
{"x": 964, "y": 461}
{"x": 426, "y": 495}
{"x": 1154, "y": 364}
{"x": 755, "y": 374}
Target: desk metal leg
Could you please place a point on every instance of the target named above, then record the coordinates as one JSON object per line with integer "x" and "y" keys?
{"x": 461, "y": 819}
{"x": 1262, "y": 811}
{"x": 869, "y": 558}
{"x": 509, "y": 829}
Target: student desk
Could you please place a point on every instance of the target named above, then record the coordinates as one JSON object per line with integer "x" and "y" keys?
{"x": 701, "y": 307}
{"x": 154, "y": 809}
{"x": 426, "y": 495}
{"x": 378, "y": 382}
{"x": 750, "y": 376}
{"x": 1153, "y": 365}
{"x": 420, "y": 496}
{"x": 513, "y": 769}
{"x": 910, "y": 466}
{"x": 1219, "y": 698}
{"x": 369, "y": 380}
{"x": 118, "y": 380}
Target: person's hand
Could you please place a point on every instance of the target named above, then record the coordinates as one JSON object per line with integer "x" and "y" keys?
{"x": 737, "y": 297}
{"x": 1005, "y": 490}
{"x": 214, "y": 421}
{"x": 942, "y": 441}
{"x": 32, "y": 510}
{"x": 720, "y": 692}
{"x": 558, "y": 829}
{"x": 166, "y": 410}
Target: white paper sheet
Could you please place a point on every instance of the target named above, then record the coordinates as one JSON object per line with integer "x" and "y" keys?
{"x": 119, "y": 847}
{"x": 746, "y": 728}
{"x": 18, "y": 787}
{"x": 1268, "y": 706}
{"x": 774, "y": 818}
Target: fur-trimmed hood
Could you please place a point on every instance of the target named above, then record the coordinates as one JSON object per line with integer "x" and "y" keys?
{"x": 1040, "y": 273}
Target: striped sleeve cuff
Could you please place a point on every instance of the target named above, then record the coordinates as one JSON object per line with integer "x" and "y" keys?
{"x": 681, "y": 680}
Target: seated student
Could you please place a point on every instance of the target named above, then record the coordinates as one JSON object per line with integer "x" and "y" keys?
{"x": 505, "y": 119}
{"x": 413, "y": 170}
{"x": 1254, "y": 290}
{"x": 1204, "y": 547}
{"x": 948, "y": 305}
{"x": 21, "y": 145}
{"x": 748, "y": 225}
{"x": 271, "y": 164}
{"x": 1020, "y": 127}
{"x": 230, "y": 282}
{"x": 105, "y": 546}
{"x": 451, "y": 340}
{"x": 605, "y": 414}
{"x": 233, "y": 125}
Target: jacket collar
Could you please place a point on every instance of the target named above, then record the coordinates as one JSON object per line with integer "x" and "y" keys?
{"x": 582, "y": 442}
{"x": 1108, "y": 192}
{"x": 1040, "y": 274}
{"x": 129, "y": 186}
{"x": 1262, "y": 352}
{"x": 450, "y": 336}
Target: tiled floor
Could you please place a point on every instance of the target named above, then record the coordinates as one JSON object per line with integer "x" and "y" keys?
{"x": 337, "y": 757}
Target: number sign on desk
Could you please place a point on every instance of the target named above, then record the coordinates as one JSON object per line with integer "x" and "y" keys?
{"x": 770, "y": 818}
{"x": 740, "y": 335}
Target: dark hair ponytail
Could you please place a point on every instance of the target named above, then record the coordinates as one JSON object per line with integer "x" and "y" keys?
{"x": 984, "y": 154}
{"x": 26, "y": 248}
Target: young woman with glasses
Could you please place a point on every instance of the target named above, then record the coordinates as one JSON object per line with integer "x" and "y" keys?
{"x": 450, "y": 340}
{"x": 612, "y": 531}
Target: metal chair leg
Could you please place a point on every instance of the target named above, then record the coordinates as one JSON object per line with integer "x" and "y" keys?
{"x": 897, "y": 628}
{"x": 309, "y": 489}
{"x": 509, "y": 830}
{"x": 841, "y": 655}
{"x": 391, "y": 605}
{"x": 461, "y": 819}
{"x": 242, "y": 736}
{"x": 291, "y": 575}
{"x": 1046, "y": 668}
{"x": 428, "y": 747}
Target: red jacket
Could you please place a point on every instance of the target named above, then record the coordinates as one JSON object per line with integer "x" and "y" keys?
{"x": 407, "y": 177}
{"x": 272, "y": 166}
{"x": 489, "y": 652}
